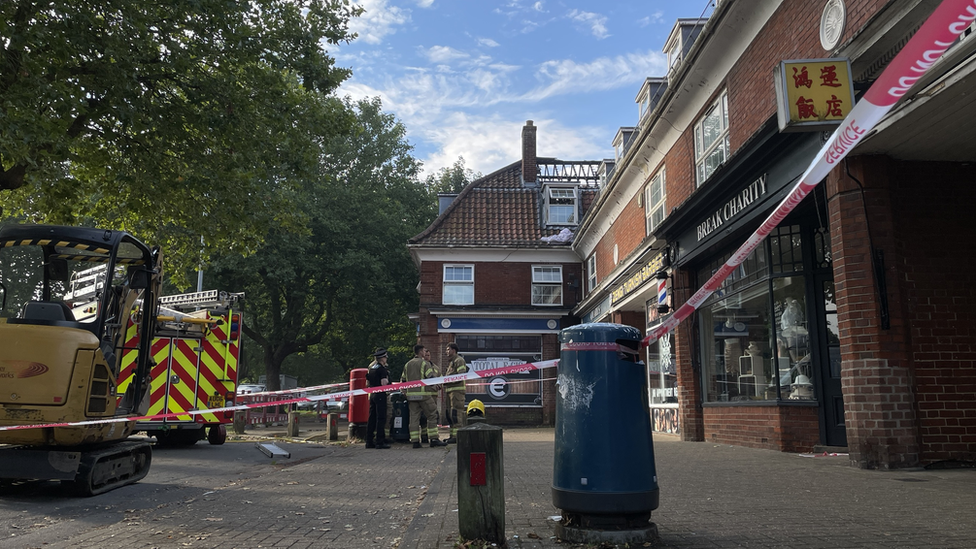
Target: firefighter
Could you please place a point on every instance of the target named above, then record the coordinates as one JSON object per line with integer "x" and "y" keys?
{"x": 421, "y": 399}
{"x": 456, "y": 415}
{"x": 377, "y": 376}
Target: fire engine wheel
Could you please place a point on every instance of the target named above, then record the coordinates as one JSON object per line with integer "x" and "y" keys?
{"x": 217, "y": 435}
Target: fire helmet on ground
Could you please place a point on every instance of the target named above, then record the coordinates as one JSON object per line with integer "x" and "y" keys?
{"x": 476, "y": 408}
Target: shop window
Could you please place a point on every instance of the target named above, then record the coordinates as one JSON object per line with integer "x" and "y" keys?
{"x": 712, "y": 138}
{"x": 483, "y": 352}
{"x": 786, "y": 249}
{"x": 794, "y": 364}
{"x": 737, "y": 346}
{"x": 458, "y": 285}
{"x": 655, "y": 201}
{"x": 662, "y": 380}
{"x": 591, "y": 280}
{"x": 561, "y": 206}
{"x": 547, "y": 285}
{"x": 755, "y": 341}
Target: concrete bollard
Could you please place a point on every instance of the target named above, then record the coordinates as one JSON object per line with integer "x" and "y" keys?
{"x": 333, "y": 421}
{"x": 293, "y": 424}
{"x": 240, "y": 421}
{"x": 481, "y": 488}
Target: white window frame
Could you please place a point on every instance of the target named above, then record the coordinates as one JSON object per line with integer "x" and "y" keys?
{"x": 564, "y": 194}
{"x": 656, "y": 201}
{"x": 591, "y": 278}
{"x": 674, "y": 55}
{"x": 706, "y": 154}
{"x": 644, "y": 106}
{"x": 452, "y": 297}
{"x": 547, "y": 285}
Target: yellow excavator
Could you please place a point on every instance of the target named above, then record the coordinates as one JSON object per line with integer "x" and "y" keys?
{"x": 67, "y": 295}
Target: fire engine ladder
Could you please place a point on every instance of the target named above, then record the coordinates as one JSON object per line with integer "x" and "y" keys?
{"x": 200, "y": 300}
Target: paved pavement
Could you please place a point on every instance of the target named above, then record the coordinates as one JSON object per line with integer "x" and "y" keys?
{"x": 339, "y": 495}
{"x": 712, "y": 496}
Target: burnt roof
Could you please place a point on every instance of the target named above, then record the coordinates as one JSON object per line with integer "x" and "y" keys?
{"x": 499, "y": 210}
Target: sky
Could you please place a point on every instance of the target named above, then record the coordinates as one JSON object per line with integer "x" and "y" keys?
{"x": 463, "y": 76}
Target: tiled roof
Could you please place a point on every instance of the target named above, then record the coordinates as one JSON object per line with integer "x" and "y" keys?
{"x": 496, "y": 210}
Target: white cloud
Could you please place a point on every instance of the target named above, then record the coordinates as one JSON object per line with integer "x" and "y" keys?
{"x": 489, "y": 143}
{"x": 378, "y": 20}
{"x": 425, "y": 3}
{"x": 596, "y": 23}
{"x": 443, "y": 54}
{"x": 537, "y": 6}
{"x": 655, "y": 18}
{"x": 488, "y": 42}
{"x": 561, "y": 77}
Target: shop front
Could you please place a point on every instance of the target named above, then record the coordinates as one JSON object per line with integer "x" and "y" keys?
{"x": 765, "y": 351}
{"x": 492, "y": 342}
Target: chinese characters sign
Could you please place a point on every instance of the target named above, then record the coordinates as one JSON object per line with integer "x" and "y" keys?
{"x": 813, "y": 94}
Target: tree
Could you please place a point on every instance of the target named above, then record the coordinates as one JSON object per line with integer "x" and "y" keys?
{"x": 452, "y": 179}
{"x": 169, "y": 119}
{"x": 342, "y": 283}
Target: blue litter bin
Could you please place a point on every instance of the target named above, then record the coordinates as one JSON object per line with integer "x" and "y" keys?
{"x": 603, "y": 468}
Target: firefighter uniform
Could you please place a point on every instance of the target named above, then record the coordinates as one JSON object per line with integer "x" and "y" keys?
{"x": 421, "y": 400}
{"x": 456, "y": 415}
{"x": 377, "y": 376}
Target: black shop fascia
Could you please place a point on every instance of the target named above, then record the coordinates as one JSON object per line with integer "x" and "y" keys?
{"x": 739, "y": 195}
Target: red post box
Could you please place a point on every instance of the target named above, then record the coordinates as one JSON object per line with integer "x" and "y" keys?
{"x": 358, "y": 404}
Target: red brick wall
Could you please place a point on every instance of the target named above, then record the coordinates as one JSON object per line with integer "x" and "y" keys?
{"x": 499, "y": 283}
{"x": 876, "y": 376}
{"x": 791, "y": 33}
{"x": 934, "y": 238}
{"x": 784, "y": 428}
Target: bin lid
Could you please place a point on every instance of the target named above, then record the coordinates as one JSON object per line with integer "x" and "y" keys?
{"x": 599, "y": 331}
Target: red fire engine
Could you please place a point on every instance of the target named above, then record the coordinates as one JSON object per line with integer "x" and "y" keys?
{"x": 195, "y": 356}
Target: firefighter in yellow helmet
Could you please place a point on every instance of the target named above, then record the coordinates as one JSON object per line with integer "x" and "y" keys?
{"x": 421, "y": 399}
{"x": 456, "y": 415}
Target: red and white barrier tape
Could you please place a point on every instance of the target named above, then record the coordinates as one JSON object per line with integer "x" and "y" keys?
{"x": 939, "y": 31}
{"x": 516, "y": 369}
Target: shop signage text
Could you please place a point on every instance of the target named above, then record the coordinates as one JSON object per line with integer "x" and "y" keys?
{"x": 739, "y": 202}
{"x": 639, "y": 279}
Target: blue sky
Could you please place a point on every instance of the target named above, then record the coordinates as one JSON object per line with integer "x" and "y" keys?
{"x": 464, "y": 75}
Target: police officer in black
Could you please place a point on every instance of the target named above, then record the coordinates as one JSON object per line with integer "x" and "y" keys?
{"x": 377, "y": 376}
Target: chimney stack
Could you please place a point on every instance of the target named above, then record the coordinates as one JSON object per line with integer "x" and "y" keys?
{"x": 530, "y": 166}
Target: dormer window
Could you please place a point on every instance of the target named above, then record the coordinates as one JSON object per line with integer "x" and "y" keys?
{"x": 649, "y": 95}
{"x": 679, "y": 42}
{"x": 674, "y": 56}
{"x": 621, "y": 141}
{"x": 561, "y": 205}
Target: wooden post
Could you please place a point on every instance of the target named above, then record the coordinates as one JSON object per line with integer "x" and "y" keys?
{"x": 333, "y": 419}
{"x": 240, "y": 421}
{"x": 293, "y": 424}
{"x": 481, "y": 489}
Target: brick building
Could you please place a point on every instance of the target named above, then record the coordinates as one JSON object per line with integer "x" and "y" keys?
{"x": 852, "y": 325}
{"x": 499, "y": 278}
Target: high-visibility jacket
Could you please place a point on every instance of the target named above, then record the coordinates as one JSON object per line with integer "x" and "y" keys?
{"x": 415, "y": 370}
{"x": 455, "y": 366}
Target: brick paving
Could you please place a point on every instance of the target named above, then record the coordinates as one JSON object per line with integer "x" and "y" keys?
{"x": 712, "y": 496}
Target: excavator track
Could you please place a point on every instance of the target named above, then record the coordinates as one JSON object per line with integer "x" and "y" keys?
{"x": 85, "y": 470}
{"x": 111, "y": 467}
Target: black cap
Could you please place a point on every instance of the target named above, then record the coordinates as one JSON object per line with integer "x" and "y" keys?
{"x": 380, "y": 352}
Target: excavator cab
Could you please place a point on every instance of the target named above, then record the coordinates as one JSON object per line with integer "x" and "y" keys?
{"x": 70, "y": 300}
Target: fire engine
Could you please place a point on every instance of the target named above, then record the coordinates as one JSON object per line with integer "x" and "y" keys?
{"x": 195, "y": 355}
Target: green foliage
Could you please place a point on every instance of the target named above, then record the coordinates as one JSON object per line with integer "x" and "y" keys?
{"x": 342, "y": 283}
{"x": 171, "y": 120}
{"x": 452, "y": 179}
